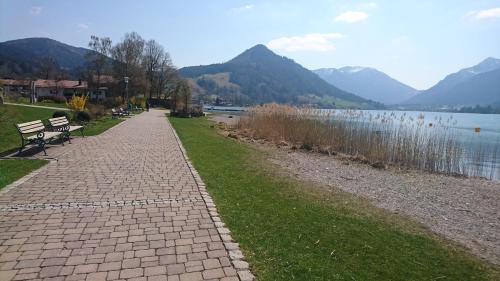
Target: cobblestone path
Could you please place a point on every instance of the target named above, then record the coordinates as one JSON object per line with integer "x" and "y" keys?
{"x": 124, "y": 205}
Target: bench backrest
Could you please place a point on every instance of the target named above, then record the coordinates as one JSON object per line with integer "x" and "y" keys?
{"x": 30, "y": 127}
{"x": 58, "y": 121}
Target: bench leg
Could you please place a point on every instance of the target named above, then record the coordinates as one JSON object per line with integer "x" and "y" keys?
{"x": 81, "y": 130}
{"x": 42, "y": 145}
{"x": 62, "y": 139}
{"x": 68, "y": 135}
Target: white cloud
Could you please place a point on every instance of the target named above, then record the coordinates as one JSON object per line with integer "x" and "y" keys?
{"x": 484, "y": 14}
{"x": 309, "y": 42}
{"x": 82, "y": 26}
{"x": 36, "y": 10}
{"x": 244, "y": 8}
{"x": 352, "y": 16}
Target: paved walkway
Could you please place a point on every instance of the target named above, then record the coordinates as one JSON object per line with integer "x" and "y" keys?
{"x": 124, "y": 205}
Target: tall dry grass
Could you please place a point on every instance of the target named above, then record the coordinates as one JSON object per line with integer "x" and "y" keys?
{"x": 382, "y": 138}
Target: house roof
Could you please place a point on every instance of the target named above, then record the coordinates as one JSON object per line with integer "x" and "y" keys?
{"x": 66, "y": 84}
{"x": 14, "y": 82}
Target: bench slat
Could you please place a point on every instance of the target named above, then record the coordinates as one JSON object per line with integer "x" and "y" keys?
{"x": 29, "y": 123}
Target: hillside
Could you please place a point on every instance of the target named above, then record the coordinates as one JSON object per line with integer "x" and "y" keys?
{"x": 469, "y": 86}
{"x": 24, "y": 57}
{"x": 368, "y": 83}
{"x": 260, "y": 76}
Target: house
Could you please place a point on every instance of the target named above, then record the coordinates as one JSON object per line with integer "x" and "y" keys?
{"x": 13, "y": 86}
{"x": 107, "y": 85}
{"x": 59, "y": 88}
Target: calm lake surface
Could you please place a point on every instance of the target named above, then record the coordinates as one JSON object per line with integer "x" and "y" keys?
{"x": 487, "y": 140}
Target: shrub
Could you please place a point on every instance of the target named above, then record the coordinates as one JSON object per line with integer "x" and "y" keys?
{"x": 77, "y": 103}
{"x": 82, "y": 116}
{"x": 56, "y": 99}
{"x": 111, "y": 102}
{"x": 138, "y": 101}
{"x": 23, "y": 100}
{"x": 96, "y": 111}
{"x": 60, "y": 113}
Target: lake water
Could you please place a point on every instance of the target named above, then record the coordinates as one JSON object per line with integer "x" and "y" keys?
{"x": 477, "y": 132}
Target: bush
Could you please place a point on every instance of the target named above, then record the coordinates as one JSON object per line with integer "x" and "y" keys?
{"x": 77, "y": 103}
{"x": 96, "y": 111}
{"x": 82, "y": 116}
{"x": 56, "y": 99}
{"x": 138, "y": 101}
{"x": 60, "y": 113}
{"x": 111, "y": 102}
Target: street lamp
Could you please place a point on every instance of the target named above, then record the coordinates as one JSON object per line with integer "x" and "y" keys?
{"x": 125, "y": 79}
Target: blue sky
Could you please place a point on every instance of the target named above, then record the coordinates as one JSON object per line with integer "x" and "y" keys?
{"x": 416, "y": 42}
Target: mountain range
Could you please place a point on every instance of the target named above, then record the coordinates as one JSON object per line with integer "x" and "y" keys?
{"x": 24, "y": 57}
{"x": 368, "y": 83}
{"x": 476, "y": 85}
{"x": 259, "y": 76}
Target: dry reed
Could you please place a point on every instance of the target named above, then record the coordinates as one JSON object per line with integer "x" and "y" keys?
{"x": 383, "y": 138}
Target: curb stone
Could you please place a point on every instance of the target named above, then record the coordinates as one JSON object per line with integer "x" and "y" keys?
{"x": 232, "y": 248}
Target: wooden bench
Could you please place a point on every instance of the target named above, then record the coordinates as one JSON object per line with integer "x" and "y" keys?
{"x": 115, "y": 113}
{"x": 35, "y": 132}
{"x": 61, "y": 124}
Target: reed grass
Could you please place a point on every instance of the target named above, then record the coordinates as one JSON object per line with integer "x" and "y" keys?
{"x": 383, "y": 138}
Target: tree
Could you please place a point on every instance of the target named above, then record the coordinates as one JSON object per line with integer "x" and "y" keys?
{"x": 127, "y": 56}
{"x": 154, "y": 56}
{"x": 48, "y": 68}
{"x": 98, "y": 57}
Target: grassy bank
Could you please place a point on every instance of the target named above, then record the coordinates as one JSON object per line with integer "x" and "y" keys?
{"x": 11, "y": 114}
{"x": 293, "y": 231}
{"x": 13, "y": 169}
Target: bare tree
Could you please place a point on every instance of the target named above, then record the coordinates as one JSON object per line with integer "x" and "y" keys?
{"x": 153, "y": 57}
{"x": 48, "y": 68}
{"x": 98, "y": 57}
{"x": 127, "y": 57}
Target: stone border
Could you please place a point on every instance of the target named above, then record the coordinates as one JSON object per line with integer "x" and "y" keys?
{"x": 97, "y": 204}
{"x": 232, "y": 247}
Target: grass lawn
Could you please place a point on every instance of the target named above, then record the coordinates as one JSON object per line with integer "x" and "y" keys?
{"x": 11, "y": 114}
{"x": 291, "y": 230}
{"x": 13, "y": 169}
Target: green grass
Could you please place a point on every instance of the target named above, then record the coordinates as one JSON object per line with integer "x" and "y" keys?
{"x": 11, "y": 114}
{"x": 291, "y": 230}
{"x": 13, "y": 169}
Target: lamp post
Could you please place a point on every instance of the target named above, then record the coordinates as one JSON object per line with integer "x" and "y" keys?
{"x": 125, "y": 79}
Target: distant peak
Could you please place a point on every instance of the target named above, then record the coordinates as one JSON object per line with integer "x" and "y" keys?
{"x": 259, "y": 48}
{"x": 490, "y": 60}
{"x": 255, "y": 53}
{"x": 353, "y": 69}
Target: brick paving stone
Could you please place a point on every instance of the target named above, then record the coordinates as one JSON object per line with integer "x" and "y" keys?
{"x": 122, "y": 205}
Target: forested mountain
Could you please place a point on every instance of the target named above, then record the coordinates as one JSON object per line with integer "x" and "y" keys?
{"x": 477, "y": 85}
{"x": 259, "y": 76}
{"x": 28, "y": 57}
{"x": 368, "y": 83}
